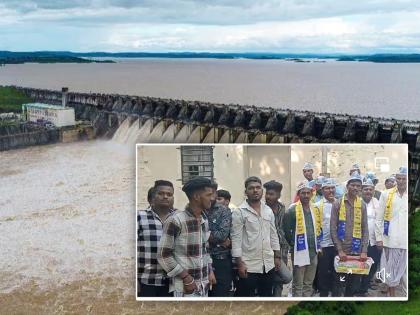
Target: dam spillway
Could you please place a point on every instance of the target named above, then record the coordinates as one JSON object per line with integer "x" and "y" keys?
{"x": 243, "y": 123}
{"x": 139, "y": 119}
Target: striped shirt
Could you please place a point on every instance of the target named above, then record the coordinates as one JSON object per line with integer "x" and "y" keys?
{"x": 149, "y": 231}
{"x": 184, "y": 246}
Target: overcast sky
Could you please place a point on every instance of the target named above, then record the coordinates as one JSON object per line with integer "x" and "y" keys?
{"x": 299, "y": 26}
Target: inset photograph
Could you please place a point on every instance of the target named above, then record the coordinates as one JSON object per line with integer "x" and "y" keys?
{"x": 271, "y": 222}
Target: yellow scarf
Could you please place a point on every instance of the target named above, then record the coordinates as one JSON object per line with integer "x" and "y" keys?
{"x": 357, "y": 224}
{"x": 301, "y": 228}
{"x": 319, "y": 215}
{"x": 388, "y": 210}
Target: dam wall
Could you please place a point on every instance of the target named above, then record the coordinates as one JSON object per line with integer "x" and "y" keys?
{"x": 22, "y": 135}
{"x": 159, "y": 120}
{"x": 292, "y": 125}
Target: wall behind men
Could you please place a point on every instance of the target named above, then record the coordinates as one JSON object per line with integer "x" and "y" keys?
{"x": 232, "y": 165}
{"x": 271, "y": 163}
{"x": 340, "y": 158}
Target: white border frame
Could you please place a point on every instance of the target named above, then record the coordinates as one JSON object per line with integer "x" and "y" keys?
{"x": 263, "y": 299}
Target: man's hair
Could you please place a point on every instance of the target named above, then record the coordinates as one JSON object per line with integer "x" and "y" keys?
{"x": 162, "y": 182}
{"x": 196, "y": 184}
{"x": 150, "y": 194}
{"x": 252, "y": 179}
{"x": 273, "y": 185}
{"x": 224, "y": 194}
{"x": 214, "y": 185}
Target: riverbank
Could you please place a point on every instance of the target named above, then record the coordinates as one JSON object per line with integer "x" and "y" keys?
{"x": 11, "y": 100}
{"x": 10, "y": 57}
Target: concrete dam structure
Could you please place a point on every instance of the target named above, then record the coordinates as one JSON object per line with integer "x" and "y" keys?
{"x": 23, "y": 135}
{"x": 136, "y": 119}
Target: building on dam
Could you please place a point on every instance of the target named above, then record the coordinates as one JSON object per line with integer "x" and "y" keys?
{"x": 59, "y": 116}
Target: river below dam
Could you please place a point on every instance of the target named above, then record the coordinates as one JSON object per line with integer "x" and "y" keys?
{"x": 360, "y": 88}
{"x": 67, "y": 225}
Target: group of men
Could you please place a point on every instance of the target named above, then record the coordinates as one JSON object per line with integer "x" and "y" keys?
{"x": 207, "y": 249}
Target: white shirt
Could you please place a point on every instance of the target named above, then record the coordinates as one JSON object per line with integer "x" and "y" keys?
{"x": 254, "y": 237}
{"x": 398, "y": 227}
{"x": 326, "y": 231}
{"x": 371, "y": 209}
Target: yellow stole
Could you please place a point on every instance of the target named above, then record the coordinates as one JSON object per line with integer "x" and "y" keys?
{"x": 357, "y": 224}
{"x": 319, "y": 215}
{"x": 388, "y": 210}
{"x": 301, "y": 229}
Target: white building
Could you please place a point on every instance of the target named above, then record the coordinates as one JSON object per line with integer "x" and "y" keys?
{"x": 57, "y": 115}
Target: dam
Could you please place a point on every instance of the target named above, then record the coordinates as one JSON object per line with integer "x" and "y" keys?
{"x": 137, "y": 119}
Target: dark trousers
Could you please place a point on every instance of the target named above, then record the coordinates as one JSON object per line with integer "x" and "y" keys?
{"x": 348, "y": 284}
{"x": 145, "y": 290}
{"x": 223, "y": 273}
{"x": 375, "y": 253}
{"x": 325, "y": 271}
{"x": 260, "y": 282}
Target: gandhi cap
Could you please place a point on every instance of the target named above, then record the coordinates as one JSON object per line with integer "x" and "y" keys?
{"x": 402, "y": 171}
{"x": 308, "y": 166}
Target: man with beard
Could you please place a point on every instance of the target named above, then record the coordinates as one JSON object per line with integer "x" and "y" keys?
{"x": 183, "y": 246}
{"x": 220, "y": 221}
{"x": 391, "y": 233}
{"x": 350, "y": 234}
{"x": 302, "y": 233}
{"x": 372, "y": 205}
{"x": 152, "y": 279}
{"x": 272, "y": 198}
{"x": 255, "y": 244}
{"x": 326, "y": 273}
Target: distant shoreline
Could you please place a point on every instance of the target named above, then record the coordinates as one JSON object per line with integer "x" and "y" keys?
{"x": 29, "y": 58}
{"x": 8, "y": 57}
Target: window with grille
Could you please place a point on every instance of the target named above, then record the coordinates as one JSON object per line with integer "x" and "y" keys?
{"x": 196, "y": 161}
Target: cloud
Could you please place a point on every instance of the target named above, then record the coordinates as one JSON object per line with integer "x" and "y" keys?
{"x": 216, "y": 12}
{"x": 218, "y": 25}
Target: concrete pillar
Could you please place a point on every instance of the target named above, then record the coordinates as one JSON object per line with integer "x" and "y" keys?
{"x": 64, "y": 92}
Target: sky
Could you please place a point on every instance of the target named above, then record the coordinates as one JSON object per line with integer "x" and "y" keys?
{"x": 278, "y": 26}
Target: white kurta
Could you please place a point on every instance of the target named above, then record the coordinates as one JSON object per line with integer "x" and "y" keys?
{"x": 398, "y": 227}
{"x": 371, "y": 209}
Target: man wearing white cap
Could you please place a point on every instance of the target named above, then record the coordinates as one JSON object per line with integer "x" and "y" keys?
{"x": 325, "y": 277}
{"x": 391, "y": 233}
{"x": 372, "y": 206}
{"x": 308, "y": 171}
{"x": 390, "y": 182}
{"x": 354, "y": 168}
{"x": 349, "y": 232}
{"x": 317, "y": 189}
{"x": 372, "y": 176}
{"x": 302, "y": 233}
